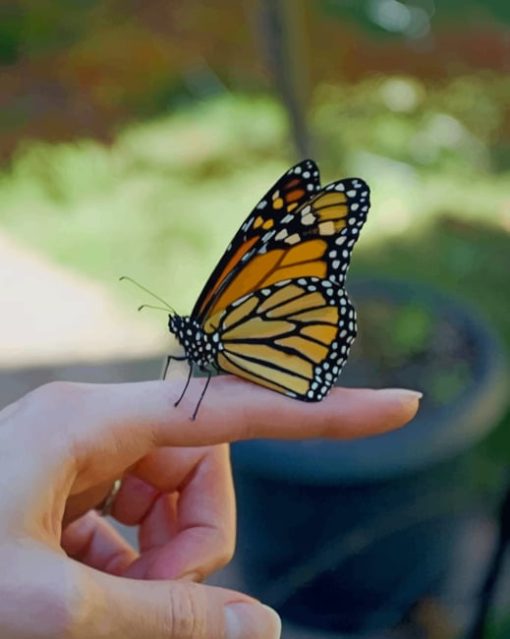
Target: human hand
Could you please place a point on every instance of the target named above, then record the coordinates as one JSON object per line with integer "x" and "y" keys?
{"x": 65, "y": 572}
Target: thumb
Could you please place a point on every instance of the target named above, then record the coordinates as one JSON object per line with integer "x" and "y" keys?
{"x": 170, "y": 610}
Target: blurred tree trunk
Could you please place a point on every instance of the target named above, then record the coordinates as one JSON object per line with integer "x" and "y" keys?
{"x": 285, "y": 44}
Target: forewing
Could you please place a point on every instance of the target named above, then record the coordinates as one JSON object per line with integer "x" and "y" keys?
{"x": 291, "y": 191}
{"x": 292, "y": 337}
{"x": 313, "y": 240}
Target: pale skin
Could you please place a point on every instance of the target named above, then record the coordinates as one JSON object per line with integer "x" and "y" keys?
{"x": 66, "y": 573}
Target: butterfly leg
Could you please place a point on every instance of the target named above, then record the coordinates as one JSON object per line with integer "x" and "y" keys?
{"x": 167, "y": 363}
{"x": 166, "y": 367}
{"x": 190, "y": 372}
{"x": 195, "y": 412}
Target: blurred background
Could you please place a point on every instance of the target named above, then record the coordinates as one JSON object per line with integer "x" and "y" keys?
{"x": 134, "y": 139}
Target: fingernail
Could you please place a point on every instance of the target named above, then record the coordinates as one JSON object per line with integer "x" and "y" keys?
{"x": 403, "y": 394}
{"x": 251, "y": 621}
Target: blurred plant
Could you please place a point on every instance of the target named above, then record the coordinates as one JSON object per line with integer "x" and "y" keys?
{"x": 163, "y": 198}
{"x": 499, "y": 629}
{"x": 84, "y": 68}
{"x": 452, "y": 126}
{"x": 412, "y": 344}
{"x": 413, "y": 18}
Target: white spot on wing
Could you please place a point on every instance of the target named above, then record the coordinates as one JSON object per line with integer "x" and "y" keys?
{"x": 293, "y": 239}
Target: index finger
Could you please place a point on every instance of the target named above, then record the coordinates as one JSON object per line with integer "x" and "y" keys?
{"x": 234, "y": 409}
{"x": 114, "y": 425}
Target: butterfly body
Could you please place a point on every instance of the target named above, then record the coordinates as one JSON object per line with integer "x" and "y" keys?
{"x": 200, "y": 348}
{"x": 274, "y": 311}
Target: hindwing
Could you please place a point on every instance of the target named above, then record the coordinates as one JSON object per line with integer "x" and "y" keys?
{"x": 292, "y": 337}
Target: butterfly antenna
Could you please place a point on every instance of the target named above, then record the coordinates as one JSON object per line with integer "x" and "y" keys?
{"x": 155, "y": 308}
{"x": 143, "y": 288}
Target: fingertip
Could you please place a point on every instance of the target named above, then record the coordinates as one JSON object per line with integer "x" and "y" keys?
{"x": 251, "y": 621}
{"x": 402, "y": 394}
{"x": 406, "y": 403}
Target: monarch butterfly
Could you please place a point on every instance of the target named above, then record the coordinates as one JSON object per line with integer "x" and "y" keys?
{"x": 274, "y": 310}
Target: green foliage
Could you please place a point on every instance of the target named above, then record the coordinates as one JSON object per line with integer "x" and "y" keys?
{"x": 10, "y": 28}
{"x": 407, "y": 329}
{"x": 29, "y": 27}
{"x": 413, "y": 328}
{"x": 451, "y": 127}
{"x": 161, "y": 202}
{"x": 499, "y": 629}
{"x": 158, "y": 205}
{"x": 411, "y": 344}
{"x": 413, "y": 18}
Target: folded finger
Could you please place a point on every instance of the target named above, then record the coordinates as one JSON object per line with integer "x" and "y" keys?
{"x": 196, "y": 534}
{"x": 93, "y": 541}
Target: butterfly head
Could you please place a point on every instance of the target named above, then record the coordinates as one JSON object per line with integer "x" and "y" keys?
{"x": 200, "y": 347}
{"x": 181, "y": 327}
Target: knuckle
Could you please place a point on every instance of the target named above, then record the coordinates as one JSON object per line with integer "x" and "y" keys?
{"x": 186, "y": 613}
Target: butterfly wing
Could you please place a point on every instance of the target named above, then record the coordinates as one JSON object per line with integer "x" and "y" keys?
{"x": 293, "y": 337}
{"x": 290, "y": 192}
{"x": 315, "y": 240}
{"x": 282, "y": 315}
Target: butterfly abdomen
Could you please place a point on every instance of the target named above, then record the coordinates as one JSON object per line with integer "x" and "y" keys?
{"x": 200, "y": 347}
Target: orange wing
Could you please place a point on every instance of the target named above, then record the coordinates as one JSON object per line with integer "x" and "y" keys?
{"x": 292, "y": 190}
{"x": 315, "y": 240}
{"x": 293, "y": 337}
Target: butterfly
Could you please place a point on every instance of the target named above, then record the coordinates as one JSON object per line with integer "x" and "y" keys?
{"x": 274, "y": 310}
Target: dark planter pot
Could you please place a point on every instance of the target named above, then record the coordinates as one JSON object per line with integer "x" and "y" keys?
{"x": 344, "y": 537}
